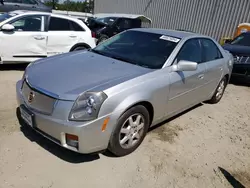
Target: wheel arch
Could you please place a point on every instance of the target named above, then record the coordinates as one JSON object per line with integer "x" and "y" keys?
{"x": 79, "y": 45}
{"x": 144, "y": 103}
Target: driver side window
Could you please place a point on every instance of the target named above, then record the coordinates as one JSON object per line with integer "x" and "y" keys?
{"x": 190, "y": 51}
{"x": 29, "y": 23}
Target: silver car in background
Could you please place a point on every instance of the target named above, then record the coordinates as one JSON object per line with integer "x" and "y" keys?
{"x": 108, "y": 97}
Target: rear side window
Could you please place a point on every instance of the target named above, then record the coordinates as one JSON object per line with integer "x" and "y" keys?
{"x": 75, "y": 26}
{"x": 211, "y": 51}
{"x": 59, "y": 24}
{"x": 190, "y": 51}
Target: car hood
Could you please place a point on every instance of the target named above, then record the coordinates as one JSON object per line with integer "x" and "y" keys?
{"x": 237, "y": 49}
{"x": 66, "y": 76}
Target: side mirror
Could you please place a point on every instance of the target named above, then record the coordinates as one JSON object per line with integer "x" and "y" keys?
{"x": 8, "y": 28}
{"x": 183, "y": 65}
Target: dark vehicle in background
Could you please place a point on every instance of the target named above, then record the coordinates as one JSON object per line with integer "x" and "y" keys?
{"x": 31, "y": 5}
{"x": 240, "y": 49}
{"x": 105, "y": 26}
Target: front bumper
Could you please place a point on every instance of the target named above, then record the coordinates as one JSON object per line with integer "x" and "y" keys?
{"x": 241, "y": 72}
{"x": 91, "y": 138}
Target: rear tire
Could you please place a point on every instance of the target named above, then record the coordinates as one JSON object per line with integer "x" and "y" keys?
{"x": 219, "y": 91}
{"x": 102, "y": 39}
{"x": 130, "y": 131}
{"x": 79, "y": 48}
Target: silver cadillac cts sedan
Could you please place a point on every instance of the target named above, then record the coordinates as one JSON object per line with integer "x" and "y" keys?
{"x": 108, "y": 97}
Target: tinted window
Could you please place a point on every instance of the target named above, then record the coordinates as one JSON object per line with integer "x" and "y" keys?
{"x": 243, "y": 40}
{"x": 59, "y": 24}
{"x": 125, "y": 23}
{"x": 30, "y": 23}
{"x": 106, "y": 20}
{"x": 191, "y": 51}
{"x": 211, "y": 51}
{"x": 141, "y": 48}
{"x": 75, "y": 26}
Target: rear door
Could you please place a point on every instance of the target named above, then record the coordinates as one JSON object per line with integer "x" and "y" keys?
{"x": 27, "y": 42}
{"x": 186, "y": 87}
{"x": 214, "y": 62}
{"x": 63, "y": 34}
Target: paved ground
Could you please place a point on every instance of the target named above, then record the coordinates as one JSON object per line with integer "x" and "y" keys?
{"x": 200, "y": 148}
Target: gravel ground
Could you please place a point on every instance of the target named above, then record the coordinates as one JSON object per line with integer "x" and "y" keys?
{"x": 207, "y": 146}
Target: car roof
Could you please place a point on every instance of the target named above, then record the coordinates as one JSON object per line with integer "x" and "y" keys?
{"x": 27, "y": 12}
{"x": 168, "y": 32}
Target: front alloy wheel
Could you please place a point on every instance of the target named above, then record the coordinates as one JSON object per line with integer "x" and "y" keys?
{"x": 130, "y": 131}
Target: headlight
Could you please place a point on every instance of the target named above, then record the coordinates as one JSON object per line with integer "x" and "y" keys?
{"x": 87, "y": 106}
{"x": 25, "y": 71}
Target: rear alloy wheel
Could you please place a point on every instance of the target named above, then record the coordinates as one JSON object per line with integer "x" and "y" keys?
{"x": 219, "y": 91}
{"x": 130, "y": 131}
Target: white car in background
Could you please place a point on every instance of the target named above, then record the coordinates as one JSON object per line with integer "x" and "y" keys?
{"x": 26, "y": 36}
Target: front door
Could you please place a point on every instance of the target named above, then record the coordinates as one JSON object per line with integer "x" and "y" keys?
{"x": 26, "y": 43}
{"x": 186, "y": 87}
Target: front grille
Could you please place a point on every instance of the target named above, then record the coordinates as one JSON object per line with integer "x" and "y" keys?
{"x": 37, "y": 100}
{"x": 241, "y": 59}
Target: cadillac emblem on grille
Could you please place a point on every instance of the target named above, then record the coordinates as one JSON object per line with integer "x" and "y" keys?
{"x": 31, "y": 97}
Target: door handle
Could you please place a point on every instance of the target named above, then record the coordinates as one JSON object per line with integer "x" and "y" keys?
{"x": 72, "y": 36}
{"x": 201, "y": 76}
{"x": 39, "y": 37}
{"x": 17, "y": 5}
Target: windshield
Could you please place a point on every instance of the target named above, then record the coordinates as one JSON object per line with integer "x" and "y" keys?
{"x": 242, "y": 40}
{"x": 144, "y": 49}
{"x": 5, "y": 16}
{"x": 106, "y": 20}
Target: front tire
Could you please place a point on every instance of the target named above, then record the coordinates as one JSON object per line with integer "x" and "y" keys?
{"x": 219, "y": 91}
{"x": 130, "y": 131}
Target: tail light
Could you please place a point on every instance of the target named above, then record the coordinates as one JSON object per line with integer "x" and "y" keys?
{"x": 93, "y": 34}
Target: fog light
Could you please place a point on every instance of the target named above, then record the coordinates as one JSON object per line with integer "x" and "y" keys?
{"x": 72, "y": 140}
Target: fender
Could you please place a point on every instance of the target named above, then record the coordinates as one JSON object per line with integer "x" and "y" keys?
{"x": 131, "y": 100}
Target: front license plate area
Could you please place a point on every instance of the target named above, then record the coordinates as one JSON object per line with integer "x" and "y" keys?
{"x": 27, "y": 116}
